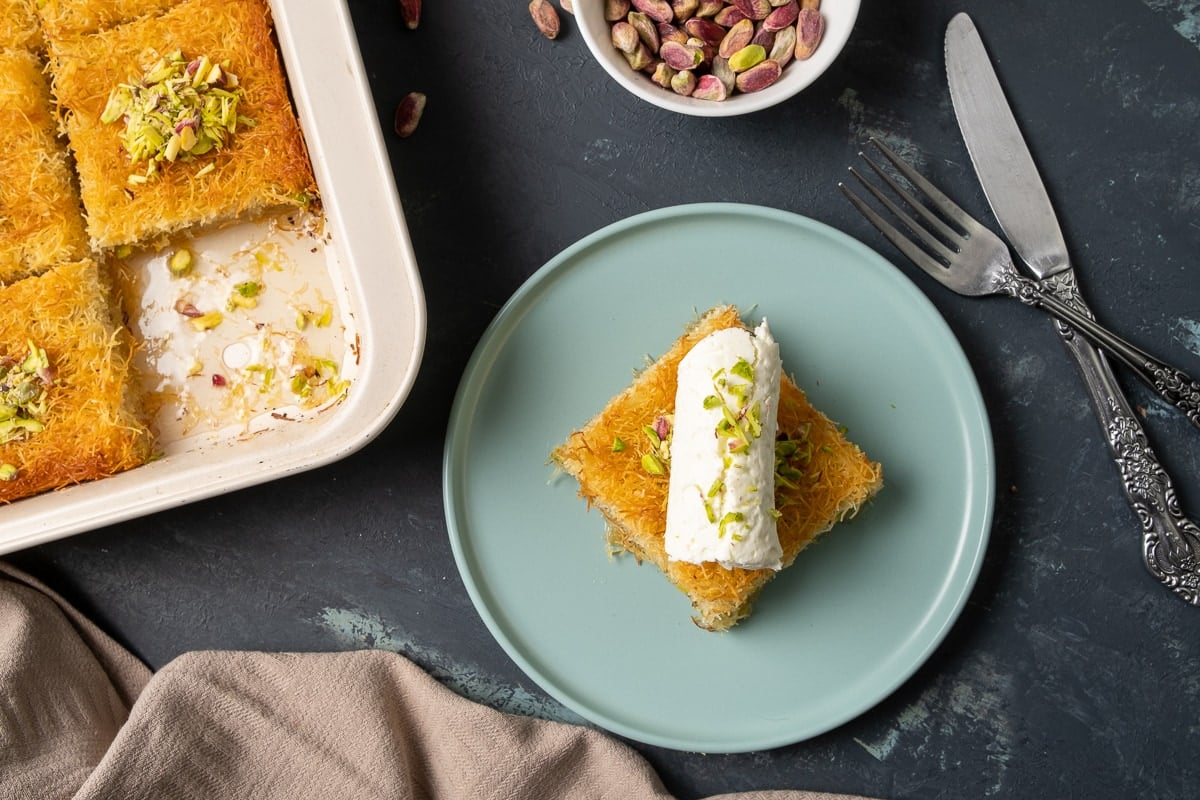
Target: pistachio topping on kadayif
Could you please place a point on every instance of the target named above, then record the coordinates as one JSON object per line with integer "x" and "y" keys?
{"x": 180, "y": 109}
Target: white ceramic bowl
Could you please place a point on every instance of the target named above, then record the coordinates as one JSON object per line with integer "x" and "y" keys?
{"x": 839, "y": 20}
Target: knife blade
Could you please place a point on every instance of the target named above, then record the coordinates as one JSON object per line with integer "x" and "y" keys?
{"x": 998, "y": 151}
{"x": 1014, "y": 190}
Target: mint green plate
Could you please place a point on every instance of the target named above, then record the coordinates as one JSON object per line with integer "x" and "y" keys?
{"x": 856, "y": 614}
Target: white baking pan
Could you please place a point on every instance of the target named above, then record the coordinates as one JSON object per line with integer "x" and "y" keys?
{"x": 362, "y": 263}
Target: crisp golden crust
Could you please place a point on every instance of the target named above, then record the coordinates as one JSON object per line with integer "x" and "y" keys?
{"x": 93, "y": 423}
{"x": 264, "y": 166}
{"x": 41, "y": 221}
{"x": 19, "y": 29}
{"x": 64, "y": 18}
{"x": 837, "y": 480}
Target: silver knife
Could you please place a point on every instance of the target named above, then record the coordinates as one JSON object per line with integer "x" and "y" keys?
{"x": 1014, "y": 190}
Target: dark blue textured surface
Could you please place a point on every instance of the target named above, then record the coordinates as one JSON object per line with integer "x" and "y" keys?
{"x": 1071, "y": 673}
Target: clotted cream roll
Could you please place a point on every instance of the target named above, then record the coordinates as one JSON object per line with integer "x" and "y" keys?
{"x": 721, "y": 496}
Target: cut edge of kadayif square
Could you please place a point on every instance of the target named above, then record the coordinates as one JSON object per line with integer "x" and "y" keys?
{"x": 73, "y": 412}
{"x": 41, "y": 219}
{"x": 263, "y": 165}
{"x": 835, "y": 479}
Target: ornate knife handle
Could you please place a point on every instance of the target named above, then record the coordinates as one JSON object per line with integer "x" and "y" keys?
{"x": 1170, "y": 541}
{"x": 1171, "y": 384}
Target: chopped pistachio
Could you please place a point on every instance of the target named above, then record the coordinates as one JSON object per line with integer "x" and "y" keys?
{"x": 731, "y": 517}
{"x": 199, "y": 70}
{"x": 652, "y": 435}
{"x": 244, "y": 295}
{"x": 618, "y": 445}
{"x": 789, "y": 472}
{"x": 790, "y": 456}
{"x": 180, "y": 262}
{"x": 651, "y": 464}
{"x": 173, "y": 146}
{"x": 325, "y": 317}
{"x": 207, "y": 320}
{"x": 337, "y": 388}
{"x": 300, "y": 385}
{"x": 19, "y": 428}
{"x": 754, "y": 420}
{"x": 9, "y": 472}
{"x": 237, "y": 301}
{"x": 729, "y": 418}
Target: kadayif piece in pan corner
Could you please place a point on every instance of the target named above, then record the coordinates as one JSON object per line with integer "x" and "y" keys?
{"x": 69, "y": 407}
{"x": 41, "y": 221}
{"x": 179, "y": 121}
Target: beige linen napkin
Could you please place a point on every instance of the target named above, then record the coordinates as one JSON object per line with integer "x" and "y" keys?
{"x": 81, "y": 718}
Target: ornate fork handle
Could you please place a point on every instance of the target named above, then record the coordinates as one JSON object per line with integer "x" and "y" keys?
{"x": 1170, "y": 541}
{"x": 1171, "y": 384}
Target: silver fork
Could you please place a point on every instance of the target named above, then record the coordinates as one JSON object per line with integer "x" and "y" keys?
{"x": 967, "y": 258}
{"x": 970, "y": 259}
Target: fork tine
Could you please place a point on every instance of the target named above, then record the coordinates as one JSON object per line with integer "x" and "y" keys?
{"x": 944, "y": 204}
{"x": 933, "y": 220}
{"x": 931, "y": 242}
{"x": 904, "y": 244}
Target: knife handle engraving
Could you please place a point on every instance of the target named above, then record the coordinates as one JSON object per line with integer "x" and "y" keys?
{"x": 1170, "y": 541}
{"x": 1172, "y": 385}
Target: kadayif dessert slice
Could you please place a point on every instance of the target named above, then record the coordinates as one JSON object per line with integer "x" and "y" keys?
{"x": 233, "y": 147}
{"x": 70, "y": 410}
{"x": 41, "y": 220}
{"x": 826, "y": 479}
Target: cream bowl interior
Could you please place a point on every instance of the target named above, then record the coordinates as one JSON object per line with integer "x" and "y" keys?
{"x": 839, "y": 15}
